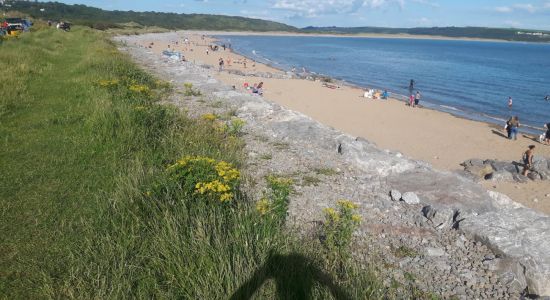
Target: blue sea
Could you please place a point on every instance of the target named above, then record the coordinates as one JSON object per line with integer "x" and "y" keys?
{"x": 471, "y": 79}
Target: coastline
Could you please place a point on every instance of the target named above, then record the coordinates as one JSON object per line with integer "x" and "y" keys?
{"x": 493, "y": 121}
{"x": 439, "y": 138}
{"x": 358, "y": 35}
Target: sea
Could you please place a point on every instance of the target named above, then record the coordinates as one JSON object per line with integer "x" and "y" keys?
{"x": 470, "y": 79}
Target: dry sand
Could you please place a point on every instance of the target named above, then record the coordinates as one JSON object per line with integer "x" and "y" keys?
{"x": 432, "y": 136}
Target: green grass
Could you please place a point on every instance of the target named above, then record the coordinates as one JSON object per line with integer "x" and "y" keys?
{"x": 88, "y": 209}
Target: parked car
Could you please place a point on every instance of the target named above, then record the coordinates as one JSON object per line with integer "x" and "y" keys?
{"x": 64, "y": 26}
{"x": 14, "y": 30}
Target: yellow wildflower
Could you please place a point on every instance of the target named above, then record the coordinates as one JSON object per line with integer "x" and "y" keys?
{"x": 209, "y": 117}
{"x": 262, "y": 206}
{"x": 332, "y": 214}
{"x": 226, "y": 197}
{"x": 139, "y": 88}
{"x": 356, "y": 218}
{"x": 227, "y": 172}
{"x": 346, "y": 204}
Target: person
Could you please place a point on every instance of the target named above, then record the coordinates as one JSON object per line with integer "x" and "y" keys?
{"x": 417, "y": 98}
{"x": 258, "y": 89}
{"x": 369, "y": 94}
{"x": 244, "y": 63}
{"x": 547, "y": 135}
{"x": 508, "y": 128}
{"x": 411, "y": 100}
{"x": 385, "y": 95}
{"x": 528, "y": 160}
{"x": 510, "y": 102}
{"x": 547, "y": 98}
{"x": 221, "y": 64}
{"x": 411, "y": 86}
{"x": 207, "y": 51}
{"x": 513, "y": 124}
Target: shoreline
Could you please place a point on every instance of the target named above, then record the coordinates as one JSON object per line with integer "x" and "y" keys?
{"x": 439, "y": 138}
{"x": 357, "y": 35}
{"x": 493, "y": 121}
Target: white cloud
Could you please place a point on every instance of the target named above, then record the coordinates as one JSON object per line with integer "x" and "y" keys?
{"x": 503, "y": 9}
{"x": 314, "y": 8}
{"x": 525, "y": 7}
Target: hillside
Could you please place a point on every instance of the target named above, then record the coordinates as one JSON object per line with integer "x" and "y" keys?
{"x": 95, "y": 17}
{"x": 508, "y": 34}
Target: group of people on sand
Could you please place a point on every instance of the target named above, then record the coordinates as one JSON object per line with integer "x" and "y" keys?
{"x": 256, "y": 88}
{"x": 376, "y": 94}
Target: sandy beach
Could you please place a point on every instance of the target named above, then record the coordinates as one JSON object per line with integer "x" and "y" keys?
{"x": 436, "y": 137}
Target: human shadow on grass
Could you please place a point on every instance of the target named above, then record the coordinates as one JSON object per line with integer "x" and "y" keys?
{"x": 295, "y": 277}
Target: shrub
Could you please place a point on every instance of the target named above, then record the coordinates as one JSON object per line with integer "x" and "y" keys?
{"x": 275, "y": 204}
{"x": 190, "y": 91}
{"x": 338, "y": 228}
{"x": 236, "y": 126}
{"x": 204, "y": 176}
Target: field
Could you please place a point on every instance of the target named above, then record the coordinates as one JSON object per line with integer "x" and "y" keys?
{"x": 105, "y": 193}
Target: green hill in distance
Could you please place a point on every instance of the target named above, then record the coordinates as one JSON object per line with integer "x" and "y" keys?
{"x": 103, "y": 19}
{"x": 508, "y": 34}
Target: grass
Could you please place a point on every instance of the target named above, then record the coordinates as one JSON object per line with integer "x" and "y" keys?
{"x": 89, "y": 209}
{"x": 325, "y": 171}
{"x": 404, "y": 251}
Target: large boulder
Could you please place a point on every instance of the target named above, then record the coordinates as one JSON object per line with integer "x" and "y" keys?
{"x": 410, "y": 198}
{"x": 521, "y": 235}
{"x": 439, "y": 218}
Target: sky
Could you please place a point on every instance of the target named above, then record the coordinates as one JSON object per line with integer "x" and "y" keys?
{"x": 530, "y": 14}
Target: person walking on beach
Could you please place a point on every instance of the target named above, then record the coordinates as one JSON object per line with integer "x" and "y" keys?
{"x": 547, "y": 135}
{"x": 528, "y": 160}
{"x": 513, "y": 124}
{"x": 510, "y": 102}
{"x": 221, "y": 64}
{"x": 411, "y": 86}
{"x": 411, "y": 100}
{"x": 417, "y": 98}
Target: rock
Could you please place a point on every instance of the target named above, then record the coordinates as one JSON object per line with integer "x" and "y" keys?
{"x": 523, "y": 237}
{"x": 501, "y": 166}
{"x": 442, "y": 218}
{"x": 502, "y": 175}
{"x": 431, "y": 251}
{"x": 534, "y": 175}
{"x": 541, "y": 163}
{"x": 410, "y": 198}
{"x": 473, "y": 162}
{"x": 480, "y": 171}
{"x": 395, "y": 195}
{"x": 520, "y": 178}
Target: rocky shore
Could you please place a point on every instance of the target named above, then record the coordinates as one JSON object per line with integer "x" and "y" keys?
{"x": 439, "y": 231}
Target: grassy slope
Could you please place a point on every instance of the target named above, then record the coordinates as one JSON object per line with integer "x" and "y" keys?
{"x": 78, "y": 161}
{"x": 86, "y": 15}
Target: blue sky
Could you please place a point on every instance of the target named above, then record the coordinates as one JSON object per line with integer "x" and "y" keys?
{"x": 387, "y": 13}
